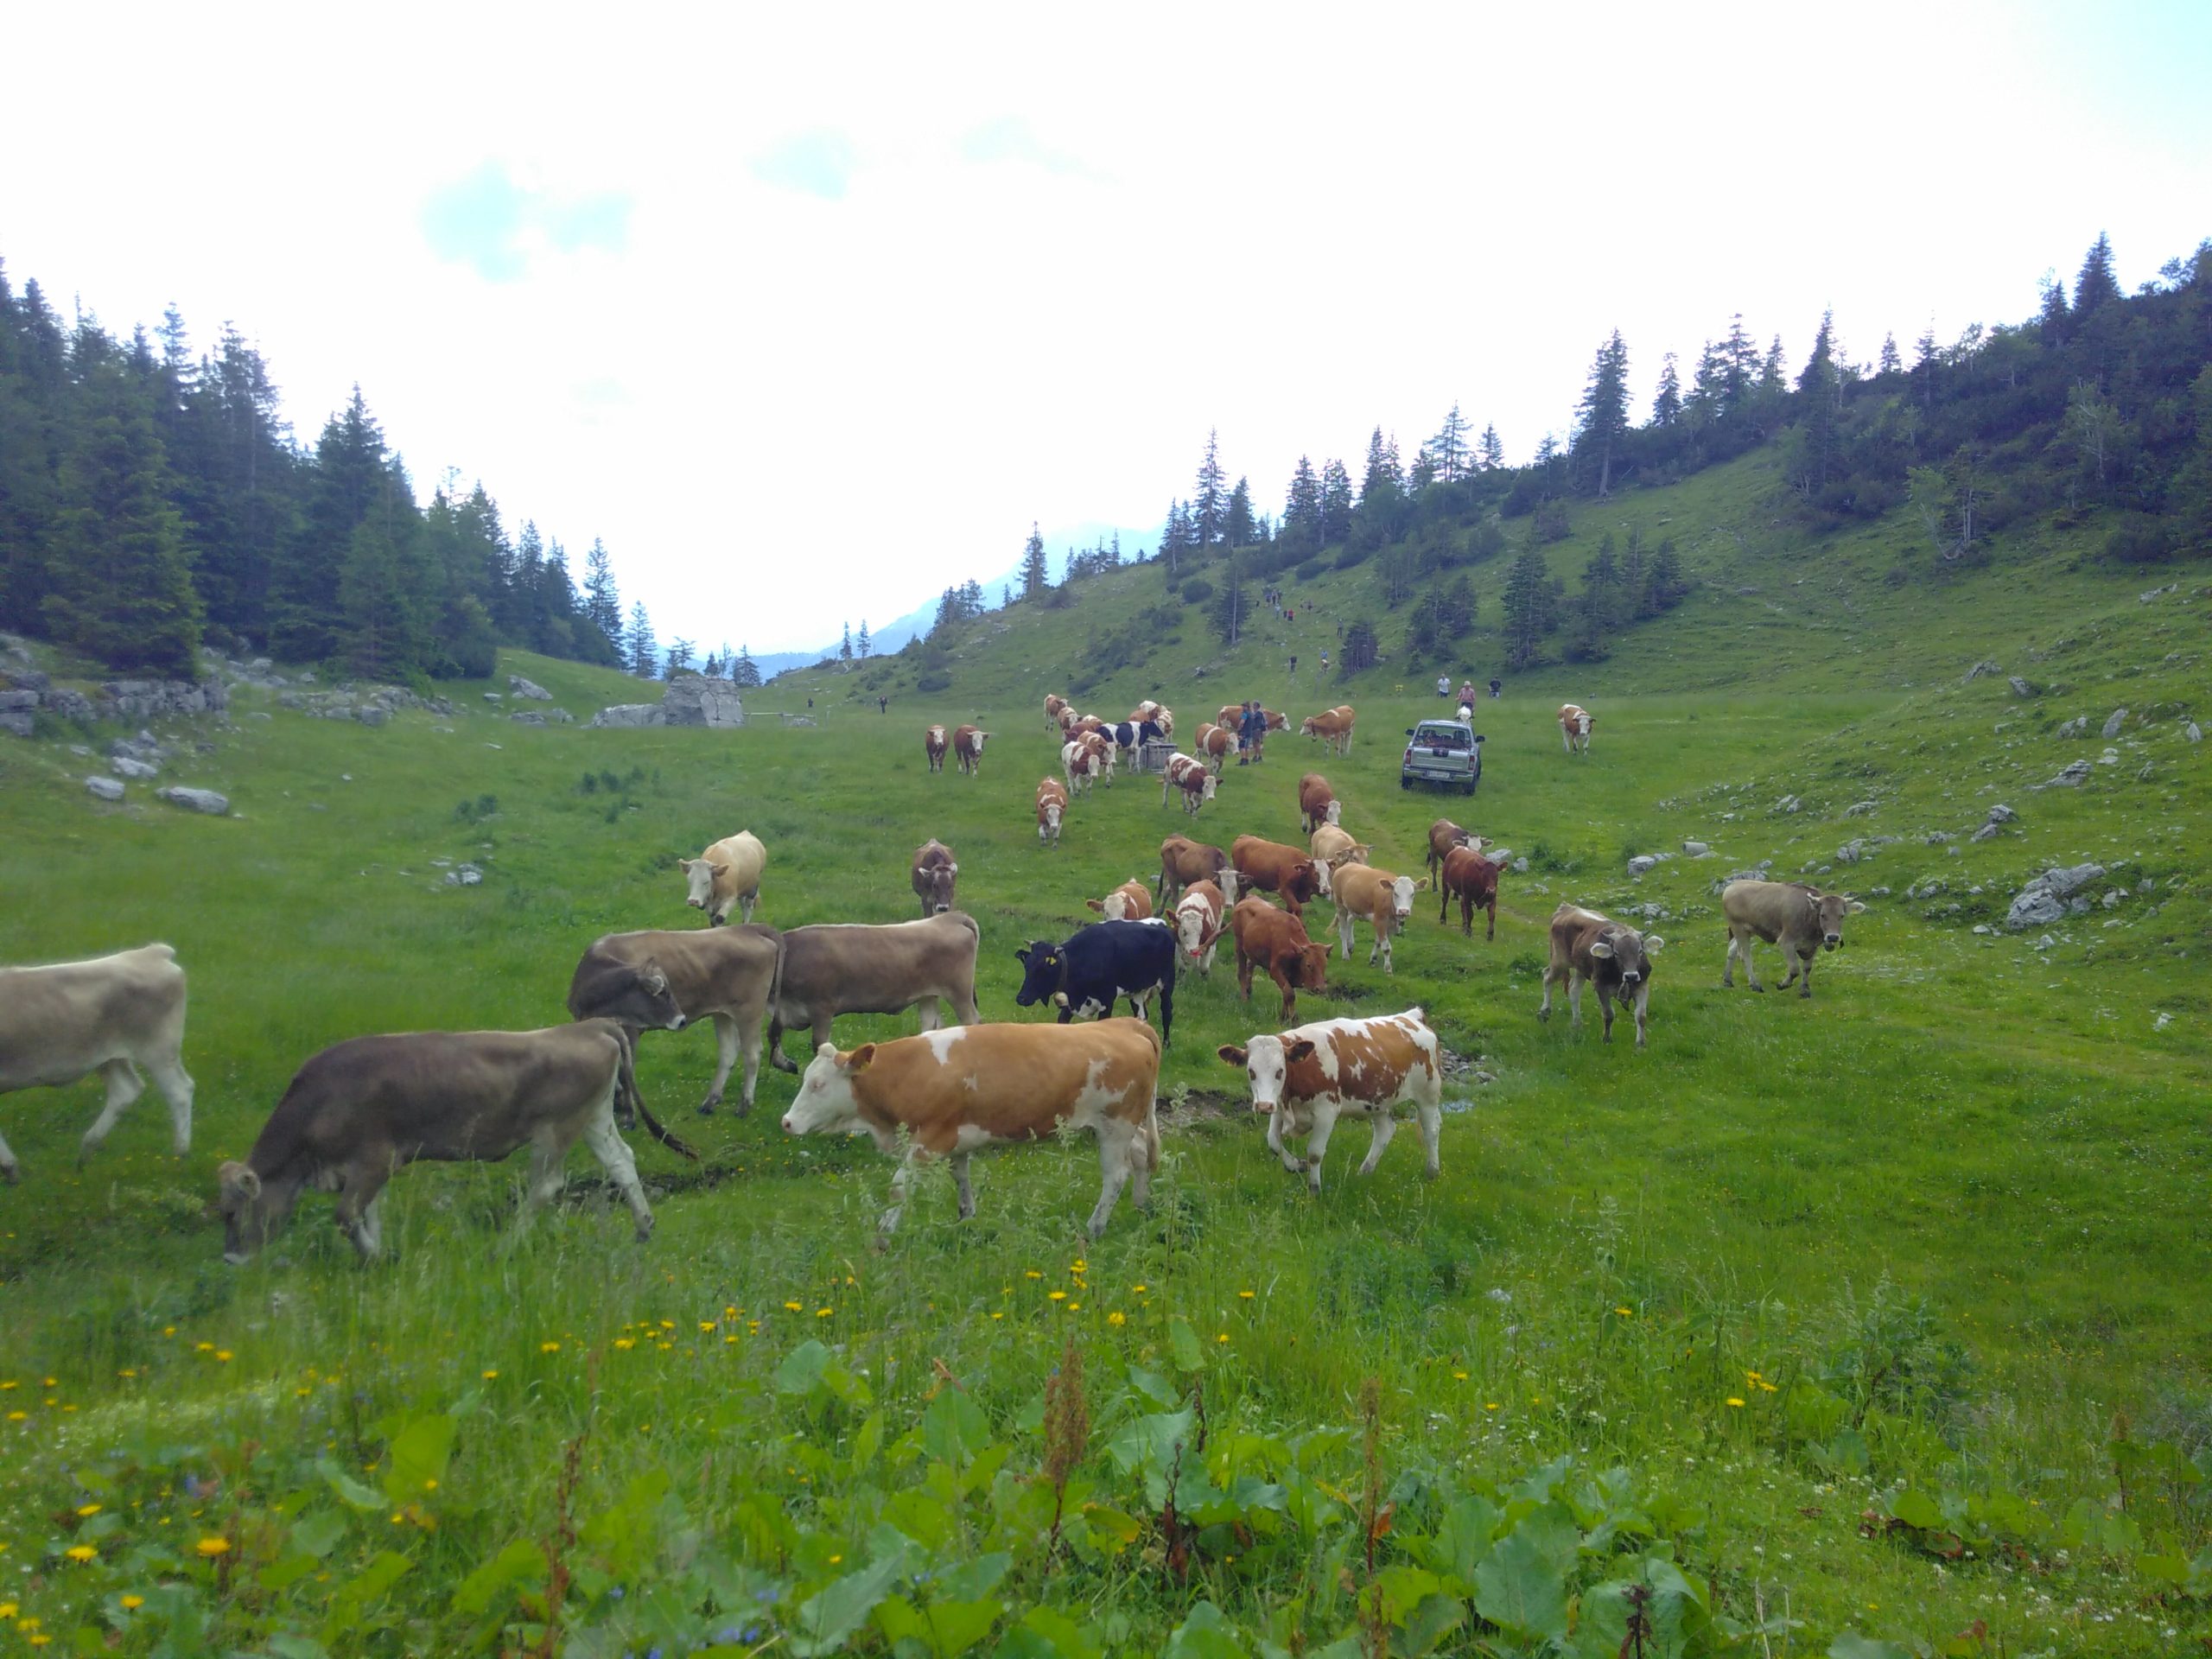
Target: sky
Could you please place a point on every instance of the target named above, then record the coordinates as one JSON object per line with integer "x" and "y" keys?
{"x": 809, "y": 312}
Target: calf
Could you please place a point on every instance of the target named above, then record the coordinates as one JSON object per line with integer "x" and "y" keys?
{"x": 1802, "y": 920}
{"x": 1443, "y": 836}
{"x": 663, "y": 982}
{"x": 363, "y": 1108}
{"x": 968, "y": 750}
{"x": 1214, "y": 745}
{"x": 1333, "y": 726}
{"x": 1587, "y": 947}
{"x": 1197, "y": 924}
{"x": 1307, "y": 1077}
{"x": 1474, "y": 878}
{"x": 1333, "y": 849}
{"x": 1183, "y": 861}
{"x": 1316, "y": 803}
{"x": 1273, "y": 868}
{"x": 945, "y": 1094}
{"x": 836, "y": 968}
{"x": 728, "y": 874}
{"x": 1098, "y": 964}
{"x": 1275, "y": 942}
{"x": 112, "y": 1014}
{"x": 1386, "y": 900}
{"x": 1191, "y": 777}
{"x": 936, "y": 871}
{"x": 1130, "y": 902}
{"x": 934, "y": 744}
{"x": 1574, "y": 724}
{"x": 1051, "y": 807}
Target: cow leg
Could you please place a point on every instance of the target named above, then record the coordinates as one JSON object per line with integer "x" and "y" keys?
{"x": 917, "y": 1159}
{"x": 1205, "y": 962}
{"x": 1545, "y": 1012}
{"x": 725, "y": 1057}
{"x": 746, "y": 901}
{"x": 1243, "y": 973}
{"x": 1344, "y": 927}
{"x": 1442, "y": 898}
{"x": 1492, "y": 935}
{"x": 1748, "y": 943}
{"x": 1807, "y": 989}
{"x": 1291, "y": 1161}
{"x": 124, "y": 1086}
{"x": 614, "y": 1156}
{"x": 1385, "y": 1127}
{"x": 929, "y": 1011}
{"x": 1728, "y": 962}
{"x": 963, "y": 1004}
{"x": 542, "y": 1185}
{"x": 748, "y": 1043}
{"x": 1642, "y": 995}
{"x": 1574, "y": 1003}
{"x": 1316, "y": 1145}
{"x": 960, "y": 1183}
{"x": 1289, "y": 997}
{"x": 357, "y": 1216}
{"x": 1114, "y": 1157}
{"x": 776, "y": 1058}
{"x": 1136, "y": 1006}
{"x": 177, "y": 1086}
{"x": 1606, "y": 1007}
{"x": 10, "y": 1171}
{"x": 1430, "y": 1114}
{"x": 1167, "y": 1007}
{"x": 1144, "y": 1156}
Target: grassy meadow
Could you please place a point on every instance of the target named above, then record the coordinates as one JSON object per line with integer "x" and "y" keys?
{"x": 1874, "y": 1325}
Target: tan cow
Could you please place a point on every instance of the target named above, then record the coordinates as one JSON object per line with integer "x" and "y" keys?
{"x": 361, "y": 1109}
{"x": 935, "y": 742}
{"x": 112, "y": 1014}
{"x": 968, "y": 749}
{"x": 1273, "y": 868}
{"x": 1198, "y": 916}
{"x": 947, "y": 1093}
{"x": 1443, "y": 836}
{"x": 834, "y": 968}
{"x": 1190, "y": 776}
{"x": 1183, "y": 861}
{"x": 1214, "y": 745}
{"x": 1333, "y": 849}
{"x": 665, "y": 981}
{"x": 1276, "y": 943}
{"x": 1316, "y": 803}
{"x": 1333, "y": 726}
{"x": 1385, "y": 901}
{"x": 1053, "y": 704}
{"x": 1307, "y": 1077}
{"x": 1086, "y": 723}
{"x": 728, "y": 874}
{"x": 1587, "y": 947}
{"x": 1052, "y": 808}
{"x": 1574, "y": 724}
{"x": 1473, "y": 878}
{"x": 1801, "y": 920}
{"x": 936, "y": 874}
{"x": 1083, "y": 765}
{"x": 1130, "y": 902}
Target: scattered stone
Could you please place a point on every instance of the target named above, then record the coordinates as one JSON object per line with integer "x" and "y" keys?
{"x": 2155, "y": 593}
{"x": 1787, "y": 803}
{"x": 157, "y": 699}
{"x": 1940, "y": 838}
{"x": 1861, "y": 809}
{"x": 1851, "y": 852}
{"x": 2043, "y": 900}
{"x": 1981, "y": 669}
{"x": 108, "y": 789}
{"x": 1878, "y": 892}
{"x": 1696, "y": 850}
{"x": 373, "y": 715}
{"x": 196, "y": 800}
{"x": 2001, "y": 814}
{"x": 528, "y": 717}
{"x": 2162, "y": 1022}
{"x": 1983, "y": 927}
{"x": 695, "y": 700}
{"x": 558, "y": 716}
{"x": 21, "y": 724}
{"x": 1643, "y": 863}
{"x": 124, "y": 766}
{"x": 2112, "y": 897}
{"x": 629, "y": 714}
{"x": 2109, "y": 758}
{"x": 2020, "y": 687}
{"x": 2192, "y": 734}
{"x": 2072, "y": 777}
{"x": 2077, "y": 727}
{"x": 464, "y": 875}
{"x": 1520, "y": 866}
{"x": 494, "y": 696}
{"x": 1988, "y": 831}
{"x": 530, "y": 689}
{"x": 18, "y": 702}
{"x": 2113, "y": 721}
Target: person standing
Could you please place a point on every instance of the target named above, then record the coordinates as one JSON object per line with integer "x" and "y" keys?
{"x": 1255, "y": 727}
{"x": 1443, "y": 685}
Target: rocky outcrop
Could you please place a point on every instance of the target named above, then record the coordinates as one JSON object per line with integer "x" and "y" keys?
{"x": 107, "y": 789}
{"x": 629, "y": 714}
{"x": 2051, "y": 895}
{"x": 696, "y": 700}
{"x": 529, "y": 689}
{"x": 196, "y": 800}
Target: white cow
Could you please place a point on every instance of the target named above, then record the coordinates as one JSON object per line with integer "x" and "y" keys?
{"x": 111, "y": 1015}
{"x": 728, "y": 874}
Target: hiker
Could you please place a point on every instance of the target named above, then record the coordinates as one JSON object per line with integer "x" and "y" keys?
{"x": 1293, "y": 665}
{"x": 883, "y": 705}
{"x": 1325, "y": 659}
{"x": 1496, "y": 686}
{"x": 1443, "y": 685}
{"x": 1467, "y": 692}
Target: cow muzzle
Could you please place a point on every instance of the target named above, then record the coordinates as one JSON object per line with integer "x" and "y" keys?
{"x": 1834, "y": 940}
{"x": 235, "y": 1258}
{"x": 1631, "y": 978}
{"x": 787, "y": 1124}
{"x": 696, "y": 904}
{"x": 679, "y": 1022}
{"x": 941, "y": 909}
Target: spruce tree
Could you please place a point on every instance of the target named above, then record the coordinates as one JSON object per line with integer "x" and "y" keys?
{"x": 1667, "y": 402}
{"x": 645, "y": 651}
{"x": 2096, "y": 285}
{"x": 1891, "y": 363}
{"x": 1604, "y": 410}
{"x": 382, "y": 599}
{"x": 745, "y": 671}
{"x": 1301, "y": 512}
{"x": 1231, "y": 609}
{"x": 1336, "y": 502}
{"x": 1209, "y": 502}
{"x": 1035, "y": 577}
{"x": 2052, "y": 316}
{"x": 863, "y": 645}
{"x": 679, "y": 657}
{"x": 1447, "y": 450}
{"x": 1663, "y": 587}
{"x": 602, "y": 602}
{"x": 1493, "y": 452}
{"x": 1236, "y": 517}
{"x": 1530, "y": 606}
{"x": 845, "y": 646}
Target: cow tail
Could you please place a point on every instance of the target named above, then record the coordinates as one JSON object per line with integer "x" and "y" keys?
{"x": 626, "y": 1081}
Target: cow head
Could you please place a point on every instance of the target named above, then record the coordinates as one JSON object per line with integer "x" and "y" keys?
{"x": 1048, "y": 819}
{"x": 252, "y": 1209}
{"x": 934, "y": 882}
{"x": 1267, "y": 1062}
{"x": 1165, "y": 719}
{"x": 637, "y": 994}
{"x": 1828, "y": 911}
{"x": 1584, "y": 720}
{"x": 1402, "y": 890}
{"x": 825, "y": 1103}
{"x": 699, "y": 882}
{"x": 976, "y": 738}
{"x": 1044, "y": 969}
{"x": 1335, "y": 814}
{"x": 1192, "y": 919}
{"x": 1629, "y": 952}
{"x": 1314, "y": 968}
{"x": 1304, "y": 878}
{"x": 1205, "y": 789}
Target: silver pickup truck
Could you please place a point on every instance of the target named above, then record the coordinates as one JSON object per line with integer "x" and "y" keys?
{"x": 1445, "y": 752}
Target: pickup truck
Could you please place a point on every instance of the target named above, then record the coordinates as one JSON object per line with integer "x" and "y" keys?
{"x": 1445, "y": 752}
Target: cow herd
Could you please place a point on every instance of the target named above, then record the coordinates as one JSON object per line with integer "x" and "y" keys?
{"x": 357, "y": 1112}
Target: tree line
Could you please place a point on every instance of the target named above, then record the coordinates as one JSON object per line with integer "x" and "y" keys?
{"x": 152, "y": 498}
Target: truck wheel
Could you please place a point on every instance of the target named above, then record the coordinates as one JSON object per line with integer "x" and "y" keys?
{"x": 1468, "y": 788}
{"x": 1404, "y": 782}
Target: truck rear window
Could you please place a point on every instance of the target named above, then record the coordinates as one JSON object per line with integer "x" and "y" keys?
{"x": 1442, "y": 737}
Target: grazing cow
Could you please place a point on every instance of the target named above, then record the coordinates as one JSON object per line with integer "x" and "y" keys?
{"x": 1214, "y": 745}
{"x": 936, "y": 870}
{"x": 1333, "y": 726}
{"x": 934, "y": 744}
{"x": 1307, "y": 1077}
{"x": 1273, "y": 868}
{"x": 1190, "y": 776}
{"x": 1333, "y": 849}
{"x": 1443, "y": 836}
{"x": 1130, "y": 902}
{"x": 1574, "y": 724}
{"x": 836, "y": 968}
{"x": 112, "y": 1014}
{"x": 1197, "y": 924}
{"x": 1051, "y": 807}
{"x": 968, "y": 749}
{"x": 1276, "y": 943}
{"x": 947, "y": 1093}
{"x": 727, "y": 873}
{"x": 1081, "y": 764}
{"x": 362, "y": 1108}
{"x": 1277, "y": 721}
{"x": 657, "y": 982}
{"x": 1132, "y": 734}
{"x": 1802, "y": 920}
{"x": 1474, "y": 878}
{"x": 1100, "y": 744}
{"x": 1054, "y": 705}
{"x": 1165, "y": 719}
{"x": 1316, "y": 803}
{"x": 1386, "y": 900}
{"x": 1587, "y": 947}
{"x": 1098, "y": 964}
{"x": 1183, "y": 861}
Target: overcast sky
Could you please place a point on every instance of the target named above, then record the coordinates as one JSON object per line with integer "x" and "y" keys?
{"x": 809, "y": 313}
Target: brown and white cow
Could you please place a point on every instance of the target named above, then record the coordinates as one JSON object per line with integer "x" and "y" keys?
{"x": 1086, "y": 723}
{"x": 1083, "y": 765}
{"x": 1316, "y": 803}
{"x": 1053, "y": 704}
{"x": 1051, "y": 809}
{"x": 1275, "y": 942}
{"x": 935, "y": 742}
{"x": 660, "y": 981}
{"x": 112, "y": 1014}
{"x": 1587, "y": 947}
{"x": 1130, "y": 902}
{"x": 1574, "y": 724}
{"x": 1333, "y": 849}
{"x": 834, "y": 968}
{"x": 1214, "y": 745}
{"x": 1070, "y": 718}
{"x": 1333, "y": 726}
{"x": 1190, "y": 776}
{"x": 1473, "y": 878}
{"x": 1801, "y": 920}
{"x": 1233, "y": 712}
{"x": 1198, "y": 916}
{"x": 726, "y": 875}
{"x": 1383, "y": 900}
{"x": 947, "y": 1093}
{"x": 936, "y": 873}
{"x": 1183, "y": 861}
{"x": 1307, "y": 1077}
{"x": 1147, "y": 710}
{"x": 1443, "y": 836}
{"x": 361, "y": 1109}
{"x": 1273, "y": 868}
{"x": 968, "y": 749}
{"x": 1098, "y": 743}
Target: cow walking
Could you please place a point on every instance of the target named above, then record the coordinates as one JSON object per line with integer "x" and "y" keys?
{"x": 1191, "y": 777}
{"x": 1473, "y": 878}
{"x": 665, "y": 980}
{"x": 1587, "y": 948}
{"x": 1097, "y": 965}
{"x": 1051, "y": 809}
{"x": 1802, "y": 920}
{"x": 968, "y": 750}
{"x": 1309, "y": 1077}
{"x": 934, "y": 744}
{"x": 1183, "y": 861}
{"x": 936, "y": 874}
{"x": 834, "y": 968}
{"x": 726, "y": 875}
{"x": 1574, "y": 724}
{"x": 1276, "y": 943}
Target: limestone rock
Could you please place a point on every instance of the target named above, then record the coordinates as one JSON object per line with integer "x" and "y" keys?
{"x": 696, "y": 700}
{"x": 2072, "y": 777}
{"x": 530, "y": 689}
{"x": 21, "y": 724}
{"x": 629, "y": 714}
{"x": 1981, "y": 669}
{"x": 196, "y": 800}
{"x": 2021, "y": 688}
{"x": 108, "y": 789}
{"x": 122, "y": 766}
{"x": 2113, "y": 721}
{"x": 2077, "y": 727}
{"x": 2002, "y": 814}
{"x": 527, "y": 717}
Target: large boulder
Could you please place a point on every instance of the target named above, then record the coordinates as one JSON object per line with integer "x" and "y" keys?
{"x": 630, "y": 714}
{"x": 107, "y": 789}
{"x": 696, "y": 700}
{"x": 529, "y": 689}
{"x": 2043, "y": 900}
{"x": 2113, "y": 721}
{"x": 196, "y": 800}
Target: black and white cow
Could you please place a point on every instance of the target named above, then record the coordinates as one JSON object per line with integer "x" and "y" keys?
{"x": 1099, "y": 963}
{"x": 1130, "y": 735}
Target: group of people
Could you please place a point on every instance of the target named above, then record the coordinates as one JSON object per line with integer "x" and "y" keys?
{"x": 1251, "y": 732}
{"x": 1466, "y": 693}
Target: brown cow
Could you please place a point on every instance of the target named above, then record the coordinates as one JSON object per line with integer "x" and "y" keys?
{"x": 1474, "y": 878}
{"x": 1214, "y": 745}
{"x": 1100, "y": 744}
{"x": 1070, "y": 719}
{"x": 1052, "y": 808}
{"x": 936, "y": 870}
{"x": 1197, "y": 924}
{"x": 1574, "y": 724}
{"x": 1147, "y": 710}
{"x": 1053, "y": 704}
{"x": 1275, "y": 942}
{"x": 1316, "y": 803}
{"x": 1306, "y": 1079}
{"x": 1385, "y": 901}
{"x": 1232, "y": 716}
{"x": 1273, "y": 868}
{"x": 1183, "y": 861}
{"x": 1086, "y": 723}
{"x": 857, "y": 968}
{"x": 1443, "y": 836}
{"x": 1130, "y": 902}
{"x": 934, "y": 745}
{"x": 1587, "y": 947}
{"x": 1333, "y": 726}
{"x": 1801, "y": 920}
{"x": 968, "y": 749}
{"x": 1190, "y": 776}
{"x": 725, "y": 974}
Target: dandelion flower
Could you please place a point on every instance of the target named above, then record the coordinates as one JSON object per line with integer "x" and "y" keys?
{"x": 53, "y": 1383}
{"x": 7, "y": 1385}
{"x": 1458, "y": 1377}
{"x": 1625, "y": 1313}
{"x": 1735, "y": 1402}
{"x": 7, "y": 1610}
{"x": 1223, "y": 1336}
{"x": 1117, "y": 1318}
{"x": 706, "y": 1327}
{"x": 1059, "y": 1296}
{"x": 17, "y": 1416}
{"x": 490, "y": 1376}
{"x": 1138, "y": 1289}
{"x": 795, "y": 1307}
{"x": 999, "y": 1314}
{"x": 81, "y": 1552}
{"x": 88, "y": 1511}
{"x": 211, "y": 1547}
{"x": 1244, "y": 1295}
{"x": 625, "y": 1344}
{"x": 132, "y": 1603}
{"x": 823, "y": 1312}
{"x": 1490, "y": 1405}
{"x": 553, "y": 1347}
{"x": 1033, "y": 1274}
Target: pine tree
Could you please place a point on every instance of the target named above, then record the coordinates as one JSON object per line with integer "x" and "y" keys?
{"x": 1632, "y": 576}
{"x": 1209, "y": 503}
{"x": 1599, "y": 600}
{"x": 1035, "y": 577}
{"x": 745, "y": 671}
{"x": 1924, "y": 364}
{"x": 1891, "y": 363}
{"x": 1236, "y": 518}
{"x": 1530, "y": 606}
{"x": 1663, "y": 587}
{"x": 1493, "y": 452}
{"x": 2096, "y": 285}
{"x": 1301, "y": 512}
{"x": 381, "y": 598}
{"x": 2052, "y": 316}
{"x": 644, "y": 650}
{"x": 1667, "y": 404}
{"x": 864, "y": 644}
{"x": 1336, "y": 502}
{"x": 602, "y": 602}
{"x": 679, "y": 657}
{"x": 1603, "y": 409}
{"x": 1230, "y": 608}
{"x": 845, "y": 648}
{"x": 1382, "y": 477}
{"x": 1447, "y": 450}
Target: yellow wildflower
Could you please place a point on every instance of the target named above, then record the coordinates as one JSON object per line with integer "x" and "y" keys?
{"x": 1117, "y": 1318}
{"x": 88, "y": 1511}
{"x": 81, "y": 1552}
{"x": 213, "y": 1547}
{"x": 1244, "y": 1295}
{"x": 823, "y": 1312}
{"x": 1059, "y": 1296}
{"x": 549, "y": 1347}
{"x": 489, "y": 1376}
{"x": 132, "y": 1603}
{"x": 1735, "y": 1402}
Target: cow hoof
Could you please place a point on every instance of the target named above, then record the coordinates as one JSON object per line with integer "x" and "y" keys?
{"x": 644, "y": 1232}
{"x": 1761, "y": 990}
{"x": 707, "y": 1109}
{"x": 10, "y": 1173}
